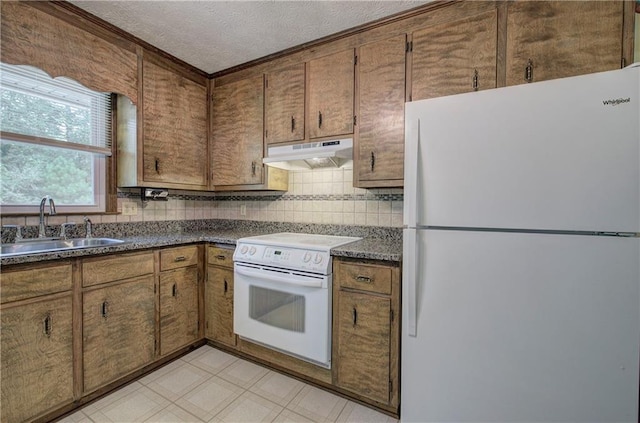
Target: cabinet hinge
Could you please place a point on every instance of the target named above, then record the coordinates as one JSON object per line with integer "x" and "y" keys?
{"x": 198, "y": 326}
{"x": 266, "y": 133}
{"x": 355, "y": 61}
{"x": 622, "y": 63}
{"x": 355, "y": 119}
{"x": 155, "y": 345}
{"x": 392, "y": 315}
{"x": 154, "y": 288}
{"x": 409, "y": 46}
{"x": 390, "y": 389}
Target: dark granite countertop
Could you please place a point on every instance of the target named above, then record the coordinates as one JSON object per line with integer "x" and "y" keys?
{"x": 377, "y": 243}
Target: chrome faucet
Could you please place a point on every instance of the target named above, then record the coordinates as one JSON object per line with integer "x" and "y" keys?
{"x": 52, "y": 212}
{"x": 88, "y": 227}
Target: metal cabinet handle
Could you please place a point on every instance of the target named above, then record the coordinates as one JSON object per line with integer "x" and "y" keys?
{"x": 528, "y": 71}
{"x": 157, "y": 165}
{"x": 179, "y": 258}
{"x": 293, "y": 123}
{"x": 363, "y": 279}
{"x": 475, "y": 80}
{"x": 354, "y": 314}
{"x": 319, "y": 119}
{"x": 104, "y": 312}
{"x": 221, "y": 257}
{"x": 253, "y": 168}
{"x": 47, "y": 325}
{"x": 174, "y": 290}
{"x": 226, "y": 286}
{"x": 372, "y": 160}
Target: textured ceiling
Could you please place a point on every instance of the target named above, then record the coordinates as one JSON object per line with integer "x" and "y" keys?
{"x": 216, "y": 35}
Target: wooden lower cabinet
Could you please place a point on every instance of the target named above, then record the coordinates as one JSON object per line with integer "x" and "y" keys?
{"x": 179, "y": 324}
{"x": 118, "y": 330}
{"x": 366, "y": 329}
{"x": 37, "y": 357}
{"x": 218, "y": 296}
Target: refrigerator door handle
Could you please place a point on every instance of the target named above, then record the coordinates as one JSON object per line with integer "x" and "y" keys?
{"x": 411, "y": 172}
{"x": 409, "y": 275}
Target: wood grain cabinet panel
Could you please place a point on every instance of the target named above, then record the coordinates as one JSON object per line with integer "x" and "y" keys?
{"x": 364, "y": 335}
{"x": 33, "y": 37}
{"x": 562, "y": 39}
{"x": 34, "y": 282}
{"x": 237, "y": 130}
{"x": 115, "y": 267}
{"x": 219, "y": 305}
{"x": 455, "y": 57}
{"x": 364, "y": 277}
{"x": 173, "y": 258}
{"x": 178, "y": 308}
{"x": 379, "y": 154}
{"x": 118, "y": 333}
{"x": 37, "y": 358}
{"x": 284, "y": 104}
{"x": 331, "y": 94}
{"x": 220, "y": 256}
{"x": 175, "y": 129}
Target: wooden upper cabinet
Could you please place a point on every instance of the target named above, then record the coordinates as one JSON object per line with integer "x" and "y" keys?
{"x": 455, "y": 57}
{"x": 331, "y": 91}
{"x": 32, "y": 37}
{"x": 284, "y": 104}
{"x": 175, "y": 129}
{"x": 379, "y": 155}
{"x": 562, "y": 39}
{"x": 236, "y": 133}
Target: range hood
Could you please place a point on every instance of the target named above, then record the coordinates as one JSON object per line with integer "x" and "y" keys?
{"x": 311, "y": 155}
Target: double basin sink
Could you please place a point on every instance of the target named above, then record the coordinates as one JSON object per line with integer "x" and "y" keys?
{"x": 54, "y": 245}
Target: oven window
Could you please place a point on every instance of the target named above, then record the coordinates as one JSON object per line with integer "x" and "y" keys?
{"x": 275, "y": 308}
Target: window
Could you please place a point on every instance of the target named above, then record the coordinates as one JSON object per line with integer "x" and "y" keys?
{"x": 55, "y": 135}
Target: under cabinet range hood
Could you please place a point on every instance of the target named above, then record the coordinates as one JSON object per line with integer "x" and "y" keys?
{"x": 311, "y": 155}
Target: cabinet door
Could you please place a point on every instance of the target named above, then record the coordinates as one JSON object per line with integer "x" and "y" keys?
{"x": 284, "y": 99}
{"x": 562, "y": 39}
{"x": 178, "y": 308}
{"x": 380, "y": 125}
{"x": 236, "y": 128}
{"x": 37, "y": 358}
{"x": 118, "y": 330}
{"x": 455, "y": 57}
{"x": 331, "y": 89}
{"x": 364, "y": 339}
{"x": 219, "y": 305}
{"x": 175, "y": 128}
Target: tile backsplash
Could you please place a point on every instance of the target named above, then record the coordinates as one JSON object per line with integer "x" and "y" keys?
{"x": 322, "y": 196}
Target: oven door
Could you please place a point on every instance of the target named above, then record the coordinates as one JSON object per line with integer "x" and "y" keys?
{"x": 285, "y": 310}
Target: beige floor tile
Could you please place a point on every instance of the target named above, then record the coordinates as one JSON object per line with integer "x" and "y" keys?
{"x": 179, "y": 381}
{"x": 288, "y": 416}
{"x": 317, "y": 405}
{"x": 356, "y": 413}
{"x": 135, "y": 407}
{"x": 210, "y": 398}
{"x": 112, "y": 397}
{"x": 161, "y": 371}
{"x": 77, "y": 417}
{"x": 173, "y": 414}
{"x": 211, "y": 359}
{"x": 249, "y": 408}
{"x": 277, "y": 388}
{"x": 243, "y": 373}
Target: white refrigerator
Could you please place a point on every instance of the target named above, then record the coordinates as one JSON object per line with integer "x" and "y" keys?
{"x": 521, "y": 255}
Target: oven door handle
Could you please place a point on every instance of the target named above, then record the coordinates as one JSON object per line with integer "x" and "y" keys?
{"x": 274, "y": 277}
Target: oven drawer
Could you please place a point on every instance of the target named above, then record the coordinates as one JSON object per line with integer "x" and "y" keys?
{"x": 219, "y": 256}
{"x": 174, "y": 258}
{"x": 364, "y": 277}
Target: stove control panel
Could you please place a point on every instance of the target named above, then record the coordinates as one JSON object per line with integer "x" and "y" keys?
{"x": 285, "y": 257}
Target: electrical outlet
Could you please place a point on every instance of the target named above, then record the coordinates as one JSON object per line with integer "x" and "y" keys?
{"x": 129, "y": 208}
{"x": 243, "y": 210}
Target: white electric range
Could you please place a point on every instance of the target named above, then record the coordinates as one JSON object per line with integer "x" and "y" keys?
{"x": 282, "y": 294}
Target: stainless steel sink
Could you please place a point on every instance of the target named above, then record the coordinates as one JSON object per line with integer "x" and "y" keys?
{"x": 47, "y": 246}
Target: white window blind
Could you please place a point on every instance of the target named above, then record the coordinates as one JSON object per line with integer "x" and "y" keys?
{"x": 68, "y": 115}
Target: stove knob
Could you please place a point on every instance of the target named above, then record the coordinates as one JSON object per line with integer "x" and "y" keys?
{"x": 244, "y": 249}
{"x": 252, "y": 251}
{"x": 318, "y": 258}
{"x": 306, "y": 257}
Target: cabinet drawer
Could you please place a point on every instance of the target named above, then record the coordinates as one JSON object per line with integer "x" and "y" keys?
{"x": 22, "y": 284}
{"x": 365, "y": 277}
{"x": 221, "y": 256}
{"x": 174, "y": 258}
{"x": 115, "y": 268}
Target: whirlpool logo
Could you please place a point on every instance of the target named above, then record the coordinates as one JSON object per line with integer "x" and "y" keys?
{"x": 616, "y": 102}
